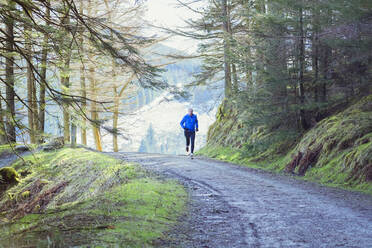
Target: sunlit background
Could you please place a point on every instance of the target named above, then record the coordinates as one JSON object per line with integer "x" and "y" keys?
{"x": 152, "y": 125}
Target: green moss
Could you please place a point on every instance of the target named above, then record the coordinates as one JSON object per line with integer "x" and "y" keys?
{"x": 105, "y": 202}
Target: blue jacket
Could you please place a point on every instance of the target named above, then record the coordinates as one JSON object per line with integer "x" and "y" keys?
{"x": 189, "y": 122}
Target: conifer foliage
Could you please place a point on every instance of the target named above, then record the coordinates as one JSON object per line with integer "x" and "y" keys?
{"x": 285, "y": 63}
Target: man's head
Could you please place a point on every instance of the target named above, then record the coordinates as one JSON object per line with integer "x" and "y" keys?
{"x": 190, "y": 111}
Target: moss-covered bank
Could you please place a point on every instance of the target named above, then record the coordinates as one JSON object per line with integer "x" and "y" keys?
{"x": 336, "y": 152}
{"x": 75, "y": 197}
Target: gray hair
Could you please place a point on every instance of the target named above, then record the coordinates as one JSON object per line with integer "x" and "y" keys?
{"x": 190, "y": 109}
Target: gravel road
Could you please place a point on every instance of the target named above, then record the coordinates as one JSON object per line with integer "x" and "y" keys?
{"x": 233, "y": 206}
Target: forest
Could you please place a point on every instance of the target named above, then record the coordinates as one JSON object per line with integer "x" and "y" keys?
{"x": 286, "y": 63}
{"x": 297, "y": 81}
{"x": 86, "y": 84}
{"x": 70, "y": 57}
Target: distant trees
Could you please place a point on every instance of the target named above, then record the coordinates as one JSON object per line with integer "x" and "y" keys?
{"x": 285, "y": 63}
{"x": 148, "y": 143}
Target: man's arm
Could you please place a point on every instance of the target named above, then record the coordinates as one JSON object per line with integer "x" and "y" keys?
{"x": 182, "y": 123}
{"x": 196, "y": 123}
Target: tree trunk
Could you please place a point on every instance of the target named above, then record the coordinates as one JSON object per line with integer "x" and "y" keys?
{"x": 315, "y": 50}
{"x": 9, "y": 78}
{"x": 44, "y": 57}
{"x": 66, "y": 114}
{"x": 235, "y": 78}
{"x": 259, "y": 56}
{"x": 227, "y": 63}
{"x": 94, "y": 110}
{"x": 73, "y": 134}
{"x": 248, "y": 69}
{"x": 301, "y": 72}
{"x": 115, "y": 122}
{"x": 93, "y": 89}
{"x": 2, "y": 123}
{"x": 96, "y": 128}
{"x": 83, "y": 84}
{"x": 30, "y": 86}
{"x": 248, "y": 54}
{"x": 118, "y": 96}
{"x": 115, "y": 116}
{"x": 325, "y": 61}
{"x": 83, "y": 105}
{"x": 65, "y": 81}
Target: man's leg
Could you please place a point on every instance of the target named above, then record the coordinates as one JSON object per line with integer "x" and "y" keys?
{"x": 187, "y": 135}
{"x": 192, "y": 137}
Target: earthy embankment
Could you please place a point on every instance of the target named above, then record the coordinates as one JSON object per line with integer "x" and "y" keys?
{"x": 335, "y": 152}
{"x": 75, "y": 197}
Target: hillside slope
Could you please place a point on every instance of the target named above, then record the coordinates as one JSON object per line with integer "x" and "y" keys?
{"x": 336, "y": 152}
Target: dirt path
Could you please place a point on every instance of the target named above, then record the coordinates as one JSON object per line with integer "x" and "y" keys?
{"x": 232, "y": 206}
{"x": 8, "y": 159}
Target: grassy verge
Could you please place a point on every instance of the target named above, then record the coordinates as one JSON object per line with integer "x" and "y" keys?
{"x": 236, "y": 156}
{"x": 75, "y": 197}
{"x": 331, "y": 173}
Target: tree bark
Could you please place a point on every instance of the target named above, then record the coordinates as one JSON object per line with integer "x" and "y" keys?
{"x": 83, "y": 133}
{"x": 93, "y": 108}
{"x": 301, "y": 72}
{"x": 65, "y": 81}
{"x": 227, "y": 63}
{"x": 248, "y": 53}
{"x": 73, "y": 135}
{"x": 235, "y": 78}
{"x": 44, "y": 57}
{"x": 66, "y": 114}
{"x": 93, "y": 89}
{"x": 118, "y": 96}
{"x": 115, "y": 121}
{"x": 315, "y": 50}
{"x": 83, "y": 105}
{"x": 9, "y": 78}
{"x": 325, "y": 61}
{"x": 30, "y": 87}
{"x": 2, "y": 123}
{"x": 325, "y": 65}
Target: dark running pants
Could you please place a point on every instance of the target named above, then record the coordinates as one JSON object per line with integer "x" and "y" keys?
{"x": 190, "y": 136}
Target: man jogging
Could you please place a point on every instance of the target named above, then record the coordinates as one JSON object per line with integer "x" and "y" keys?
{"x": 190, "y": 124}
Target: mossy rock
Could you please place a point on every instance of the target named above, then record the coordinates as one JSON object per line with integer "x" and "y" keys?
{"x": 8, "y": 175}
